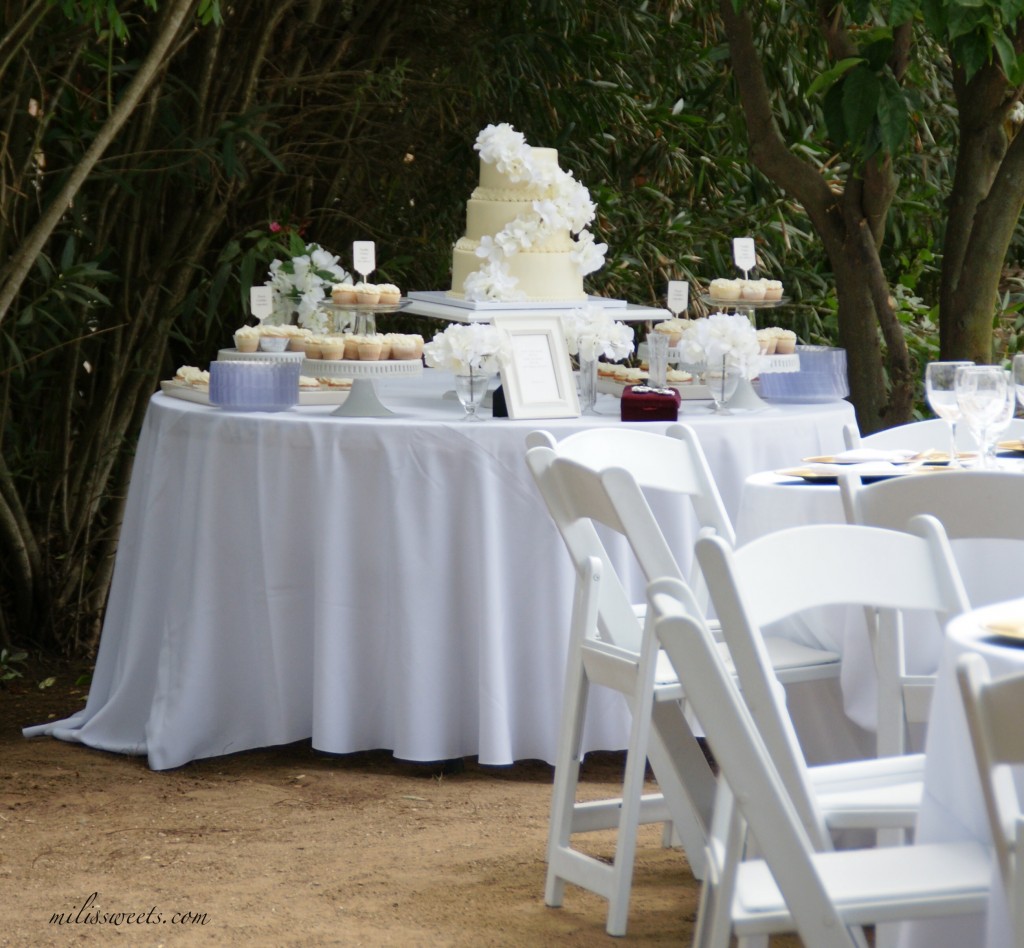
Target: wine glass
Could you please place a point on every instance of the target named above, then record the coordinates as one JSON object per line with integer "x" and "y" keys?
{"x": 981, "y": 395}
{"x": 1003, "y": 421}
{"x": 1018, "y": 376}
{"x": 940, "y": 390}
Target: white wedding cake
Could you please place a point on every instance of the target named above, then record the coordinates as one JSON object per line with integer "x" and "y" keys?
{"x": 526, "y": 236}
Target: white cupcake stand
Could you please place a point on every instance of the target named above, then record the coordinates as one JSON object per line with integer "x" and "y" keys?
{"x": 362, "y": 401}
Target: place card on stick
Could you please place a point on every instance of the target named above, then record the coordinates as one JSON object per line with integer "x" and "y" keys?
{"x": 678, "y": 296}
{"x": 364, "y": 257}
{"x": 261, "y": 301}
{"x": 743, "y": 254}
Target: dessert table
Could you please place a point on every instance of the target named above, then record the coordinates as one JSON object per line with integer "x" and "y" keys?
{"x": 952, "y": 808}
{"x": 370, "y": 583}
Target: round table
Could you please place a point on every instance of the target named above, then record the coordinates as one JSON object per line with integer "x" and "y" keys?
{"x": 367, "y": 582}
{"x": 953, "y": 808}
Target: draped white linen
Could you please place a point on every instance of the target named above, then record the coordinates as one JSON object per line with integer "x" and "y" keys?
{"x": 370, "y": 583}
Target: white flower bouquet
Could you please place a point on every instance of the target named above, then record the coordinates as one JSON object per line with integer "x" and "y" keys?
{"x": 471, "y": 348}
{"x": 590, "y": 332}
{"x": 300, "y": 284}
{"x": 722, "y": 341}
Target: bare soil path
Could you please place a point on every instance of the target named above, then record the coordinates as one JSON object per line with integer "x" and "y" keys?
{"x": 287, "y": 846}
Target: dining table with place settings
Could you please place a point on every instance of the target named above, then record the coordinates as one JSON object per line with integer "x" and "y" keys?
{"x": 370, "y": 583}
{"x": 806, "y": 491}
{"x": 953, "y": 806}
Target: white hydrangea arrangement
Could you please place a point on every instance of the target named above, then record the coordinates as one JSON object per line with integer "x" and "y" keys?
{"x": 301, "y": 283}
{"x": 726, "y": 340}
{"x": 470, "y": 348}
{"x": 568, "y": 208}
{"x": 591, "y": 332}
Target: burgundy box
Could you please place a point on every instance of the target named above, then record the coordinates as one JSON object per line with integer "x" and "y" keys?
{"x": 641, "y": 403}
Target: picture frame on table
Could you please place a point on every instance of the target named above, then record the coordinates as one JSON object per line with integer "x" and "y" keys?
{"x": 537, "y": 380}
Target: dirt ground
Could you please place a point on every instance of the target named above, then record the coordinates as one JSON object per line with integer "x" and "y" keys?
{"x": 288, "y": 846}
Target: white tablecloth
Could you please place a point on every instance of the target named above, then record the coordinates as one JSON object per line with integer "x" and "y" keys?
{"x": 370, "y": 583}
{"x": 953, "y": 809}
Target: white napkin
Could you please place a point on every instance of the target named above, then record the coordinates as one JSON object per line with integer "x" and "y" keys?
{"x": 862, "y": 455}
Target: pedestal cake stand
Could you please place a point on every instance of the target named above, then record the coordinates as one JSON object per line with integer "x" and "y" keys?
{"x": 362, "y": 401}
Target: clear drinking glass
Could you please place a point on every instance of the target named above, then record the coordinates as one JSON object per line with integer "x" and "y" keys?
{"x": 940, "y": 390}
{"x": 981, "y": 395}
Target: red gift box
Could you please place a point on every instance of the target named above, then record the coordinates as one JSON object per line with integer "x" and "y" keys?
{"x": 641, "y": 403}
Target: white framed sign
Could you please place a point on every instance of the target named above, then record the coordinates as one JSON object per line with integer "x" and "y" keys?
{"x": 537, "y": 378}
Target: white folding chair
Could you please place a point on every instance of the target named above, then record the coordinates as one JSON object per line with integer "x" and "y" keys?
{"x": 971, "y": 505}
{"x": 993, "y": 710}
{"x": 823, "y": 896}
{"x": 597, "y": 477}
{"x": 922, "y": 435}
{"x": 784, "y": 574}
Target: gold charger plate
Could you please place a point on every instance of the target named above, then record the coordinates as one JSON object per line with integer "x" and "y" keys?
{"x": 812, "y": 476}
{"x": 1015, "y": 447}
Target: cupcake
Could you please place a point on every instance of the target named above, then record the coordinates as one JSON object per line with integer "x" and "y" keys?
{"x": 785, "y": 342}
{"x": 297, "y": 337}
{"x": 389, "y": 293}
{"x": 773, "y": 289}
{"x": 274, "y": 338}
{"x": 367, "y": 294}
{"x": 385, "y": 347}
{"x": 343, "y": 293}
{"x": 332, "y": 348}
{"x": 370, "y": 348}
{"x": 313, "y": 346}
{"x": 673, "y": 328}
{"x": 247, "y": 339}
{"x": 752, "y": 290}
{"x": 352, "y": 346}
{"x": 722, "y": 289}
{"x": 403, "y": 347}
{"x": 767, "y": 340}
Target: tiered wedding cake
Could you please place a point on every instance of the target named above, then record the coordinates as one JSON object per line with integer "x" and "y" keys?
{"x": 520, "y": 222}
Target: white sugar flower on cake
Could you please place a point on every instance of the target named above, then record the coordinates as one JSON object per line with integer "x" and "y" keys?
{"x": 722, "y": 337}
{"x": 506, "y": 149}
{"x": 591, "y": 332}
{"x": 469, "y": 348}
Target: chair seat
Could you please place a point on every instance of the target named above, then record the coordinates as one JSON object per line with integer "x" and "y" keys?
{"x": 878, "y": 793}
{"x": 861, "y": 883}
{"x": 784, "y": 654}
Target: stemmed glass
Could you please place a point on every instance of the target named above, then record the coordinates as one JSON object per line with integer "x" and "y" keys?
{"x": 940, "y": 390}
{"x": 1002, "y": 422}
{"x": 1018, "y": 377}
{"x": 981, "y": 394}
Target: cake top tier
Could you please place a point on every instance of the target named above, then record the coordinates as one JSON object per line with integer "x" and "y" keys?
{"x": 544, "y": 162}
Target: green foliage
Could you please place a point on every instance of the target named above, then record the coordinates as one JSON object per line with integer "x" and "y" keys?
{"x": 10, "y": 660}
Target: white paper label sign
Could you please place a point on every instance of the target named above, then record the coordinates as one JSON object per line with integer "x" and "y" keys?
{"x": 364, "y": 257}
{"x": 261, "y": 301}
{"x": 534, "y": 360}
{"x": 743, "y": 253}
{"x": 678, "y": 295}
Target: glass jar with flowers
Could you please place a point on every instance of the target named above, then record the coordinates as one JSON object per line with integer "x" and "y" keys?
{"x": 590, "y": 333}
{"x": 726, "y": 346}
{"x": 473, "y": 352}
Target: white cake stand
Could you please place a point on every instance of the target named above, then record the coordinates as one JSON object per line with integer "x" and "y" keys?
{"x": 362, "y": 401}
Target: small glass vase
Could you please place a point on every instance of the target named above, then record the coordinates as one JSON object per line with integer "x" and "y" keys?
{"x": 588, "y": 386}
{"x": 471, "y": 389}
{"x": 722, "y": 383}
